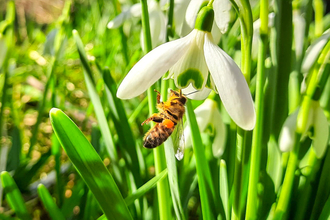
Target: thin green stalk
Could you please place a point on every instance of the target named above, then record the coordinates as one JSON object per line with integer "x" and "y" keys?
{"x": 285, "y": 195}
{"x": 164, "y": 200}
{"x": 282, "y": 64}
{"x": 319, "y": 9}
{"x": 252, "y": 200}
{"x": 306, "y": 192}
{"x": 245, "y": 14}
{"x": 169, "y": 29}
{"x": 123, "y": 36}
{"x": 206, "y": 188}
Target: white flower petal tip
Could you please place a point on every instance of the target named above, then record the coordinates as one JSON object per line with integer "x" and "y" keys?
{"x": 287, "y": 134}
{"x": 191, "y": 93}
{"x": 152, "y": 67}
{"x": 231, "y": 85}
{"x": 222, "y": 14}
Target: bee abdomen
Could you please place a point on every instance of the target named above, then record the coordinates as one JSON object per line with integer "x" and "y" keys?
{"x": 157, "y": 135}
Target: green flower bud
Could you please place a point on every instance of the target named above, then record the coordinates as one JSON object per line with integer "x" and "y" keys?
{"x": 204, "y": 20}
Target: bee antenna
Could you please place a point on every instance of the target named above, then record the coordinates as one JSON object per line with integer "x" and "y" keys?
{"x": 190, "y": 93}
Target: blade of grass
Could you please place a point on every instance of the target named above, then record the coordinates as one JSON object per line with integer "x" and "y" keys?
{"x": 210, "y": 206}
{"x": 143, "y": 189}
{"x": 224, "y": 192}
{"x": 99, "y": 111}
{"x": 14, "y": 196}
{"x": 125, "y": 135}
{"x": 173, "y": 178}
{"x": 49, "y": 204}
{"x": 90, "y": 166}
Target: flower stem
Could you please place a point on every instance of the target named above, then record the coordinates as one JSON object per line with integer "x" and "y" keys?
{"x": 242, "y": 155}
{"x": 164, "y": 200}
{"x": 318, "y": 8}
{"x": 206, "y": 188}
{"x": 252, "y": 200}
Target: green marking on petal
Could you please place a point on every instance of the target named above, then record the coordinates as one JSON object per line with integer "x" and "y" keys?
{"x": 191, "y": 75}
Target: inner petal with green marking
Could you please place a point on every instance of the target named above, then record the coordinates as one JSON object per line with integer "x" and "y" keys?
{"x": 191, "y": 75}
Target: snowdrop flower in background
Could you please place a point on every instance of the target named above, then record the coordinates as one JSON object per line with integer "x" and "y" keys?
{"x": 157, "y": 21}
{"x": 317, "y": 124}
{"x": 190, "y": 59}
{"x": 314, "y": 51}
{"x": 208, "y": 114}
{"x": 299, "y": 32}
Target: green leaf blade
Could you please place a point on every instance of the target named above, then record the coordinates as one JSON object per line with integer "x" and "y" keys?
{"x": 90, "y": 166}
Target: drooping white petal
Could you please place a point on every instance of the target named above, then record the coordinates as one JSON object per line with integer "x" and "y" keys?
{"x": 231, "y": 85}
{"x": 287, "y": 134}
{"x": 191, "y": 68}
{"x": 179, "y": 15}
{"x": 119, "y": 20}
{"x": 216, "y": 33}
{"x": 151, "y": 67}
{"x": 133, "y": 11}
{"x": 192, "y": 11}
{"x": 314, "y": 51}
{"x": 220, "y": 134}
{"x": 222, "y": 14}
{"x": 192, "y": 93}
{"x": 321, "y": 132}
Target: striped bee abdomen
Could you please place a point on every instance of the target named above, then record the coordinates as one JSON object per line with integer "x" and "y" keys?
{"x": 157, "y": 135}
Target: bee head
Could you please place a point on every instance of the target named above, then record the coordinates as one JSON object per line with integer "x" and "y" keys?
{"x": 178, "y": 96}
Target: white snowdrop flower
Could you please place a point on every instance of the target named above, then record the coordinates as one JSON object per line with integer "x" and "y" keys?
{"x": 314, "y": 51}
{"x": 157, "y": 21}
{"x": 317, "y": 128}
{"x": 190, "y": 60}
{"x": 208, "y": 114}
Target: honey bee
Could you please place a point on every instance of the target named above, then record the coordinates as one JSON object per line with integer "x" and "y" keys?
{"x": 169, "y": 116}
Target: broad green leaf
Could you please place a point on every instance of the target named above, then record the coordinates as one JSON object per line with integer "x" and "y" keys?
{"x": 100, "y": 115}
{"x": 143, "y": 189}
{"x": 14, "y": 196}
{"x": 90, "y": 166}
{"x": 49, "y": 204}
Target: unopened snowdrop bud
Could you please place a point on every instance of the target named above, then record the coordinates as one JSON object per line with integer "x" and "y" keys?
{"x": 317, "y": 122}
{"x": 314, "y": 51}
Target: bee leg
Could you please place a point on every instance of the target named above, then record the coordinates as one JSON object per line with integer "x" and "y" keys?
{"x": 154, "y": 117}
{"x": 158, "y": 96}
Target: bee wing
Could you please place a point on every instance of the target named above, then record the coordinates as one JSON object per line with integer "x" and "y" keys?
{"x": 178, "y": 140}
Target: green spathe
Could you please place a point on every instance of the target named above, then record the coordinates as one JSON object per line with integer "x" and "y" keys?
{"x": 193, "y": 76}
{"x": 204, "y": 20}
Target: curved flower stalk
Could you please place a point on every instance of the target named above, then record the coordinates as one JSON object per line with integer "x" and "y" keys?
{"x": 314, "y": 51}
{"x": 208, "y": 114}
{"x": 157, "y": 21}
{"x": 221, "y": 16}
{"x": 317, "y": 125}
{"x": 190, "y": 59}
